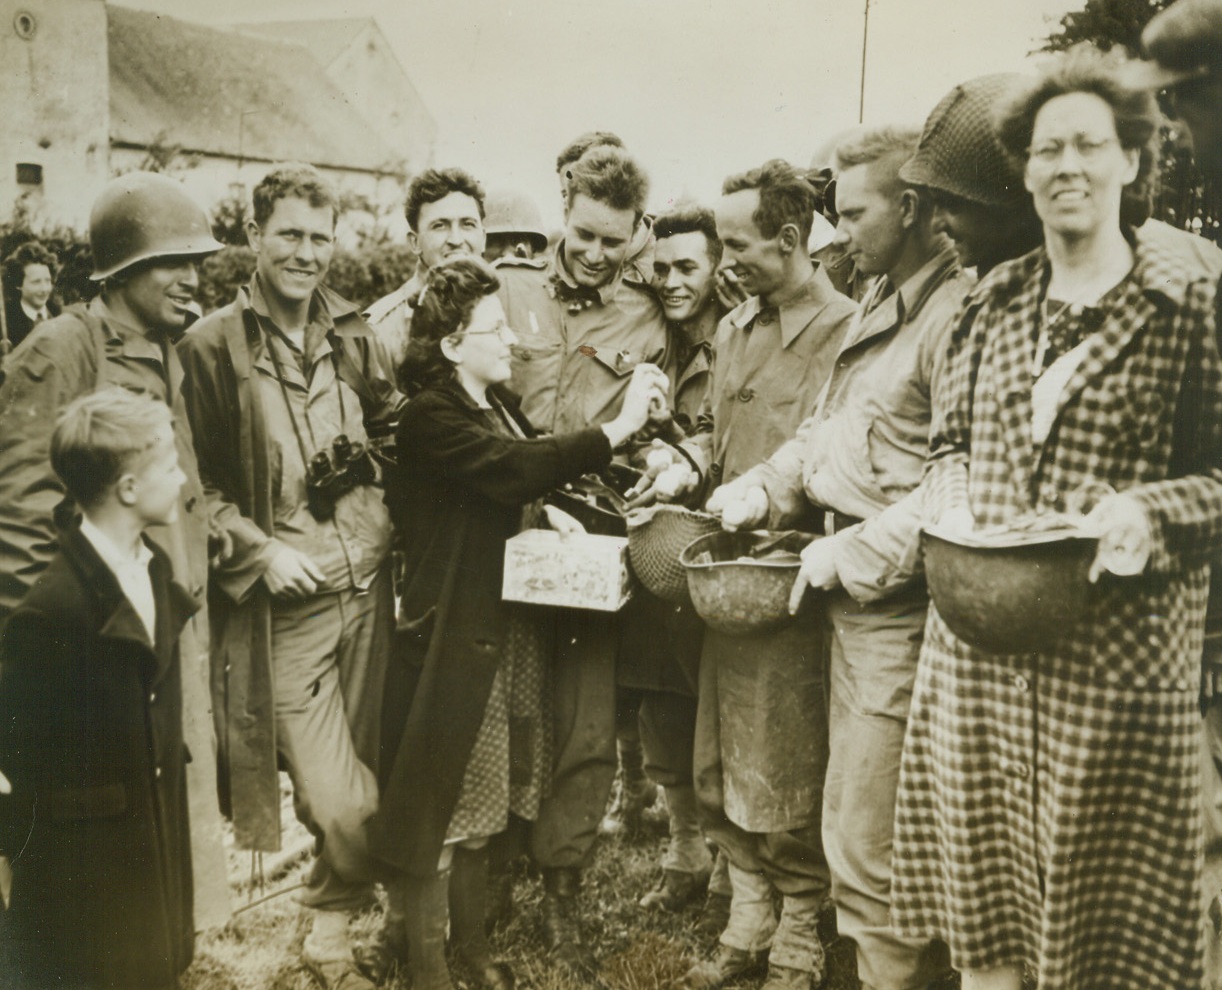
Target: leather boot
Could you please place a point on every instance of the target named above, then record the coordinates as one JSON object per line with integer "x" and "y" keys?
{"x": 381, "y": 956}
{"x": 635, "y": 792}
{"x": 424, "y": 912}
{"x": 468, "y": 909}
{"x": 561, "y": 922}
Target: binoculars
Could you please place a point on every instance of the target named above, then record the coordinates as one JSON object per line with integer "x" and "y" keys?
{"x": 334, "y": 472}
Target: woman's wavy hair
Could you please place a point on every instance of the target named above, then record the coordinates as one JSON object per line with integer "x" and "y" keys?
{"x": 441, "y": 309}
{"x": 1085, "y": 69}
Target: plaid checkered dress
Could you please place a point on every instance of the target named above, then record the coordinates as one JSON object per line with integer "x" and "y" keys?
{"x": 1048, "y": 811}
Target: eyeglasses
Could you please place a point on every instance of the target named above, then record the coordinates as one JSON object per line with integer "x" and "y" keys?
{"x": 502, "y": 330}
{"x": 1088, "y": 150}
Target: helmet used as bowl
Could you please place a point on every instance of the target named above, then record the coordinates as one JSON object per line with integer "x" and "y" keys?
{"x": 740, "y": 582}
{"x": 1009, "y": 596}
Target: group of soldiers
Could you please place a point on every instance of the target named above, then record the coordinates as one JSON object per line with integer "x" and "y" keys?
{"x": 802, "y": 363}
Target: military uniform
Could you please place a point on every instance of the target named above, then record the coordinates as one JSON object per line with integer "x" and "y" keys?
{"x": 576, "y": 353}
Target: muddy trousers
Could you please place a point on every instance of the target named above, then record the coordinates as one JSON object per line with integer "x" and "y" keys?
{"x": 872, "y": 666}
{"x": 329, "y": 653}
{"x": 735, "y": 700}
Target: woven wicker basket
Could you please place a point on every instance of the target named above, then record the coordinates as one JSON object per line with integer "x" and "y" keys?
{"x": 656, "y": 536}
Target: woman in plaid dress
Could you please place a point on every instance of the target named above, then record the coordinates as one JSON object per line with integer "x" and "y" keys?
{"x": 1048, "y": 813}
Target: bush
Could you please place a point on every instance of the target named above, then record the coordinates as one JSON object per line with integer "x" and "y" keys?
{"x": 366, "y": 273}
{"x": 221, "y": 274}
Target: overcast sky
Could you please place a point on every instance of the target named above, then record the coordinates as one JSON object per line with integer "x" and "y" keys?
{"x": 697, "y": 88}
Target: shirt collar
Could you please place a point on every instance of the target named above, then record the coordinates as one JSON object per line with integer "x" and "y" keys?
{"x": 797, "y": 311}
{"x": 34, "y": 314}
{"x": 326, "y": 306}
{"x": 1156, "y": 270}
{"x": 131, "y": 339}
{"x": 704, "y": 329}
{"x": 112, "y": 555}
{"x": 566, "y": 288}
{"x": 915, "y": 290}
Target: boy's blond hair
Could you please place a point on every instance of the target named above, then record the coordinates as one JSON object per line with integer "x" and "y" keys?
{"x": 98, "y": 436}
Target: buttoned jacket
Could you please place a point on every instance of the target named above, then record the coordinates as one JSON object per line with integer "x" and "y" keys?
{"x": 577, "y": 346}
{"x": 1142, "y": 413}
{"x": 91, "y": 736}
{"x": 770, "y": 364}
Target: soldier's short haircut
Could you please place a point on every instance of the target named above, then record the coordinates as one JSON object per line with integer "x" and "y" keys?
{"x": 98, "y": 437}
{"x": 865, "y": 147}
{"x": 437, "y": 183}
{"x": 292, "y": 180}
{"x": 610, "y": 176}
{"x": 784, "y": 197}
{"x": 580, "y": 145}
{"x": 691, "y": 220}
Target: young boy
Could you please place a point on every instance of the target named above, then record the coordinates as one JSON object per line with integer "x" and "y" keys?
{"x": 95, "y": 828}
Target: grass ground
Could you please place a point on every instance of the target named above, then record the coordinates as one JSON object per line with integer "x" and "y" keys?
{"x": 260, "y": 949}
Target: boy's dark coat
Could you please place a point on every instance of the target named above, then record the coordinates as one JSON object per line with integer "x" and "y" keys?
{"x": 91, "y": 738}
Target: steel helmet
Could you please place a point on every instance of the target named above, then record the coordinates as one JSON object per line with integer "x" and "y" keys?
{"x": 959, "y": 152}
{"x": 143, "y": 215}
{"x": 507, "y": 211}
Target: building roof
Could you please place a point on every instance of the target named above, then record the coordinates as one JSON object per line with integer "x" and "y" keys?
{"x": 225, "y": 93}
{"x": 326, "y": 38}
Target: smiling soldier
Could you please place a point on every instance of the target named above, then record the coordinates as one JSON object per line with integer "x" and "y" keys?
{"x": 583, "y": 323}
{"x": 857, "y": 462}
{"x": 148, "y": 237}
{"x": 445, "y": 219}
{"x": 284, "y": 388}
{"x": 761, "y": 728}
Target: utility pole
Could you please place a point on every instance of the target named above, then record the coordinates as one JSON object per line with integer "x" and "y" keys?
{"x": 865, "y": 36}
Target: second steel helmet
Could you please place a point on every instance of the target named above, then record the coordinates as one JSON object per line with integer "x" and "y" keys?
{"x": 144, "y": 215}
{"x": 510, "y": 212}
{"x": 959, "y": 153}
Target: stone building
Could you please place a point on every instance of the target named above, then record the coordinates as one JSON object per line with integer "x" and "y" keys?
{"x": 89, "y": 88}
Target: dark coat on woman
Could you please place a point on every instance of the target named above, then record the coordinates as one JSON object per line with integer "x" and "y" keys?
{"x": 91, "y": 737}
{"x": 458, "y": 496}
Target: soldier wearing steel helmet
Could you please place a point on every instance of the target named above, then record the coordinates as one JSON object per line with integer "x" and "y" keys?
{"x": 148, "y": 236}
{"x": 977, "y": 191}
{"x": 513, "y": 227}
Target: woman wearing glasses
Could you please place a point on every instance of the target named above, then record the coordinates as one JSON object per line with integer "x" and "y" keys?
{"x": 470, "y": 467}
{"x": 1048, "y": 810}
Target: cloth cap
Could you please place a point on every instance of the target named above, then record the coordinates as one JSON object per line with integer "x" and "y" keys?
{"x": 959, "y": 152}
{"x": 1184, "y": 42}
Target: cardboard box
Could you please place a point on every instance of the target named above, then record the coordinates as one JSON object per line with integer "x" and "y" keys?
{"x": 584, "y": 571}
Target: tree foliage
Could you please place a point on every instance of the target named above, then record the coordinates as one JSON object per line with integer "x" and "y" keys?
{"x": 1105, "y": 23}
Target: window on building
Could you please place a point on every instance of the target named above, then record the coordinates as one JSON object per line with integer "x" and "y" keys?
{"x": 29, "y": 174}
